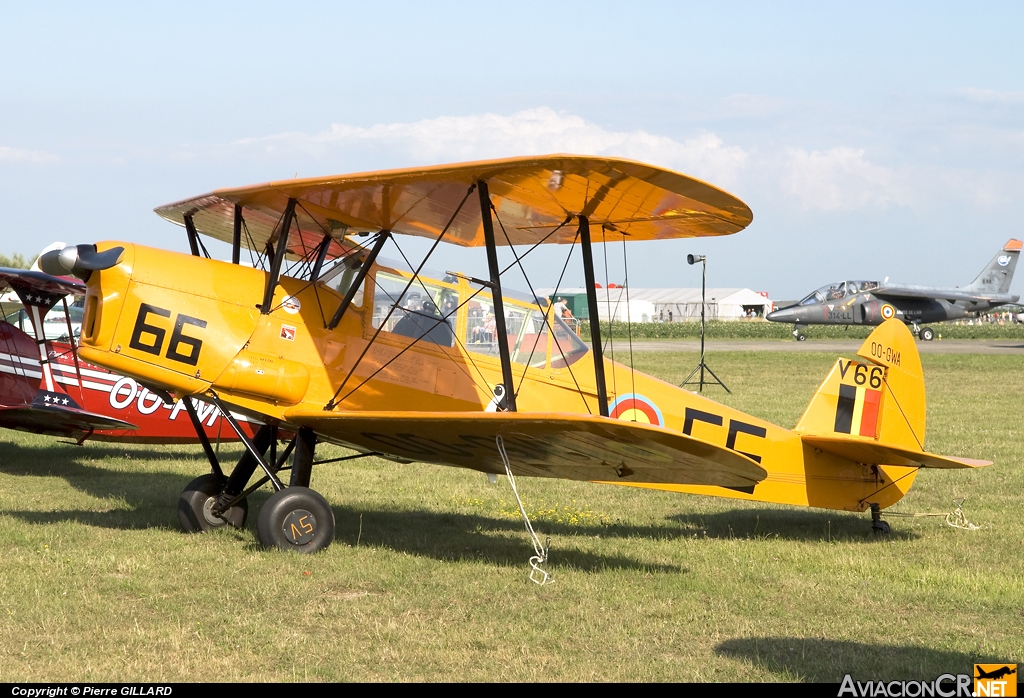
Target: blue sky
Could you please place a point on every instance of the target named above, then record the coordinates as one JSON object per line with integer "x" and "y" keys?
{"x": 870, "y": 139}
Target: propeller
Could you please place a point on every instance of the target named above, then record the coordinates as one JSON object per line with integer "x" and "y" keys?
{"x": 80, "y": 260}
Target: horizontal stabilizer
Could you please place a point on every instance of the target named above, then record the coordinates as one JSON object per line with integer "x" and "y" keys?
{"x": 871, "y": 452}
{"x": 568, "y": 446}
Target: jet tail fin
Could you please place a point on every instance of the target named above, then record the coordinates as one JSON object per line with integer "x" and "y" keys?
{"x": 996, "y": 277}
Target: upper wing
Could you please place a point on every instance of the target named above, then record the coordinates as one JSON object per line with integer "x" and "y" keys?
{"x": 532, "y": 196}
{"x": 872, "y": 452}
{"x": 573, "y": 447}
{"x": 38, "y": 281}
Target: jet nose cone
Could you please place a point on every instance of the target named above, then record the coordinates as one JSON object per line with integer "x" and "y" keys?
{"x": 781, "y": 315}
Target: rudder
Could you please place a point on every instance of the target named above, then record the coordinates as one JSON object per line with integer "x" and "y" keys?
{"x": 880, "y": 399}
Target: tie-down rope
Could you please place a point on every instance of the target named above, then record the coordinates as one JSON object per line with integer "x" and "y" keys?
{"x": 541, "y": 556}
{"x": 955, "y": 518}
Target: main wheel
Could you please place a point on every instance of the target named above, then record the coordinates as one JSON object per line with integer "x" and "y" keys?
{"x": 195, "y": 506}
{"x": 296, "y": 519}
{"x": 927, "y": 334}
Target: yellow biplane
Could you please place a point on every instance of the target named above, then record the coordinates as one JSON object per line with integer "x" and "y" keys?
{"x": 331, "y": 343}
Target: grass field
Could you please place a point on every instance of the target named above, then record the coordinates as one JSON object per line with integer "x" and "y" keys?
{"x": 427, "y": 579}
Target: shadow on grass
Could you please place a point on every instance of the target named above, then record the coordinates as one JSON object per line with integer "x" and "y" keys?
{"x": 817, "y": 660}
{"x": 151, "y": 495}
{"x": 798, "y": 524}
{"x": 453, "y": 536}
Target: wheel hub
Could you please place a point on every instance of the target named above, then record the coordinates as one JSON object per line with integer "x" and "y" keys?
{"x": 299, "y": 527}
{"x": 208, "y": 514}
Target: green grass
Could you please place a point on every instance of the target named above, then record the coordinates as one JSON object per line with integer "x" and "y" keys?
{"x": 98, "y": 584}
{"x": 762, "y": 329}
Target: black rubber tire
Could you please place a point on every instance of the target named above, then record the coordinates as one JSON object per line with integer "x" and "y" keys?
{"x": 881, "y": 528}
{"x": 926, "y": 334}
{"x": 195, "y": 502}
{"x": 296, "y": 519}
{"x": 801, "y": 338}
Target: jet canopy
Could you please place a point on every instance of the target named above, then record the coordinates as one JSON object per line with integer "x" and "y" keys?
{"x": 838, "y": 290}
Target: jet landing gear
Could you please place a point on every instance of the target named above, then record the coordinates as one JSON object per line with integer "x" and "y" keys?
{"x": 798, "y": 332}
{"x": 294, "y": 518}
{"x": 878, "y": 527}
{"x": 925, "y": 334}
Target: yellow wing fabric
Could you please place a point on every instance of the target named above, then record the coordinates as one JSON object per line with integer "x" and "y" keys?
{"x": 532, "y": 197}
{"x": 572, "y": 447}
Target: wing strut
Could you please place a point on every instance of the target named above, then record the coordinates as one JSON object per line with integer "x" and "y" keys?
{"x": 275, "y": 265}
{"x": 357, "y": 282}
{"x": 595, "y": 320}
{"x": 499, "y": 307}
{"x": 236, "y": 235}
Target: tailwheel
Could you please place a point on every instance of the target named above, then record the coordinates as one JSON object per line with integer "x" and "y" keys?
{"x": 196, "y": 504}
{"x": 298, "y": 519}
{"x": 879, "y": 527}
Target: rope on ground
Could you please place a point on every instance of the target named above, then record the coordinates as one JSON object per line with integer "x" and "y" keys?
{"x": 955, "y": 518}
{"x": 538, "y": 575}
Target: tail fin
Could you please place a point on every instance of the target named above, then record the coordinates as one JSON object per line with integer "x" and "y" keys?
{"x": 881, "y": 398}
{"x": 873, "y": 411}
{"x": 996, "y": 277}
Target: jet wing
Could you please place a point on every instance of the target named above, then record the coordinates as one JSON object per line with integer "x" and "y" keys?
{"x": 532, "y": 197}
{"x": 937, "y": 293}
{"x": 874, "y": 453}
{"x": 568, "y": 446}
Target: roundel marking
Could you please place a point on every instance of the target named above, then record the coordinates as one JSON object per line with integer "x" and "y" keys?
{"x": 888, "y": 312}
{"x": 636, "y": 408}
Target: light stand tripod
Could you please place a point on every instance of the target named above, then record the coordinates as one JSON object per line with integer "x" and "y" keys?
{"x": 692, "y": 259}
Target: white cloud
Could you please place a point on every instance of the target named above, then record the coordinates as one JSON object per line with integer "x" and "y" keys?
{"x": 839, "y": 179}
{"x": 34, "y": 157}
{"x": 532, "y": 131}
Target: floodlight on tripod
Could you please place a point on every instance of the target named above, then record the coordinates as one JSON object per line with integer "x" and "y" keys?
{"x": 692, "y": 259}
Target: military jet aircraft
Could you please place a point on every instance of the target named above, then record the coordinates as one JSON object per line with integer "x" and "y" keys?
{"x": 874, "y": 302}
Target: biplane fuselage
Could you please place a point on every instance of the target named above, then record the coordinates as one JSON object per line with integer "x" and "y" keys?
{"x": 193, "y": 326}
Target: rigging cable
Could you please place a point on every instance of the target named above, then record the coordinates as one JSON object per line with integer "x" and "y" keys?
{"x": 331, "y": 404}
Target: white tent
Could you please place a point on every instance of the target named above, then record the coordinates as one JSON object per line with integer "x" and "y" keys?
{"x": 673, "y": 304}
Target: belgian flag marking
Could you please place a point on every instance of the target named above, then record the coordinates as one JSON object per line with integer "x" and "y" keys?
{"x": 857, "y": 410}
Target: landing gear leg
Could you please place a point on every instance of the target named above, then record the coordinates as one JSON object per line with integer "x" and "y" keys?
{"x": 201, "y": 504}
{"x": 878, "y": 527}
{"x": 797, "y": 332}
{"x": 297, "y": 518}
